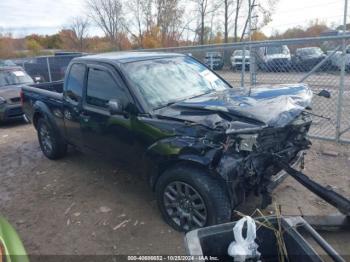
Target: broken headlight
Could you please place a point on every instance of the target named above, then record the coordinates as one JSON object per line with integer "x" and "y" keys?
{"x": 247, "y": 142}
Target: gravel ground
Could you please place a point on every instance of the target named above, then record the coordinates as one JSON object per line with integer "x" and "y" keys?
{"x": 84, "y": 205}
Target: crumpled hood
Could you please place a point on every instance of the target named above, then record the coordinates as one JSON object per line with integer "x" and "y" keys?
{"x": 274, "y": 106}
{"x": 8, "y": 92}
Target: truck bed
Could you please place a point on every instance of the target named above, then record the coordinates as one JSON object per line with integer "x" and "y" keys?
{"x": 50, "y": 94}
{"x": 56, "y": 86}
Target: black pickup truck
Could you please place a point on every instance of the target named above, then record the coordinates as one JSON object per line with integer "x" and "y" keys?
{"x": 203, "y": 144}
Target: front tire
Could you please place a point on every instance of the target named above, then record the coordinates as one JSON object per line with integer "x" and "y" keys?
{"x": 51, "y": 143}
{"x": 190, "y": 198}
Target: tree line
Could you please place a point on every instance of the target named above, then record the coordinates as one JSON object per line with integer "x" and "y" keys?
{"x": 139, "y": 24}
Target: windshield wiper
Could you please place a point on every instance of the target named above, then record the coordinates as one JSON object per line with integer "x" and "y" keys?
{"x": 172, "y": 102}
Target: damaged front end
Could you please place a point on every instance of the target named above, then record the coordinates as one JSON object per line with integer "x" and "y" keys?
{"x": 247, "y": 165}
{"x": 235, "y": 135}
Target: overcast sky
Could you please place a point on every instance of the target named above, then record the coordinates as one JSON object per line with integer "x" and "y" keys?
{"x": 22, "y": 17}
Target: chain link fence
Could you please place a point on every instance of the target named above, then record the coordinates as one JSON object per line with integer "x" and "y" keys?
{"x": 322, "y": 63}
{"x": 46, "y": 68}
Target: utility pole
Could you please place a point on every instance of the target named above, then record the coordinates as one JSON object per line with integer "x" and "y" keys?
{"x": 342, "y": 76}
{"x": 244, "y": 47}
{"x": 250, "y": 46}
{"x": 252, "y": 60}
{"x": 251, "y": 55}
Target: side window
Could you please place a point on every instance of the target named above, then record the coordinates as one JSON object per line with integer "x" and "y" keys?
{"x": 75, "y": 82}
{"x": 101, "y": 88}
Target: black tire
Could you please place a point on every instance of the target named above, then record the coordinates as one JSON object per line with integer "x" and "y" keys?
{"x": 213, "y": 196}
{"x": 51, "y": 143}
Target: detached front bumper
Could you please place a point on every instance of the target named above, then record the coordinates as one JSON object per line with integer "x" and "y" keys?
{"x": 277, "y": 179}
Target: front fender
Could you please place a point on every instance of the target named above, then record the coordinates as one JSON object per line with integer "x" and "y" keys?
{"x": 171, "y": 151}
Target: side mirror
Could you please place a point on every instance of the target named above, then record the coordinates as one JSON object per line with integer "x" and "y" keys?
{"x": 324, "y": 93}
{"x": 115, "y": 107}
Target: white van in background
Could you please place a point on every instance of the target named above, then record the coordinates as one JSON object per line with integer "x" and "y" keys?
{"x": 237, "y": 59}
{"x": 274, "y": 58}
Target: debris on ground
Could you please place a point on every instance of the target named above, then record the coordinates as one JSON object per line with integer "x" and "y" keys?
{"x": 320, "y": 202}
{"x": 41, "y": 173}
{"x": 104, "y": 209}
{"x": 69, "y": 208}
{"x": 330, "y": 153}
{"x": 122, "y": 224}
{"x": 21, "y": 221}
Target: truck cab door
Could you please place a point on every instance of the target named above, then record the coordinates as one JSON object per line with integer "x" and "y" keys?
{"x": 108, "y": 134}
{"x": 72, "y": 102}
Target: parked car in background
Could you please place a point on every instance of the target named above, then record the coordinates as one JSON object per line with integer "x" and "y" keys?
{"x": 11, "y": 78}
{"x": 275, "y": 58}
{"x": 336, "y": 60}
{"x": 237, "y": 59}
{"x": 7, "y": 63}
{"x": 202, "y": 144}
{"x": 308, "y": 57}
{"x": 214, "y": 60}
{"x": 39, "y": 67}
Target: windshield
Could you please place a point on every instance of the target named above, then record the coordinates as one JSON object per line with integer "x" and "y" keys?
{"x": 240, "y": 53}
{"x": 311, "y": 51}
{"x": 14, "y": 77}
{"x": 170, "y": 80}
{"x": 275, "y": 50}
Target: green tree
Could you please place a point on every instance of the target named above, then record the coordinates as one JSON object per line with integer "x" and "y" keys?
{"x": 33, "y": 46}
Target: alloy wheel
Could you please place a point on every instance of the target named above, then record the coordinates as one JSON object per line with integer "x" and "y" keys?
{"x": 185, "y": 206}
{"x": 46, "y": 139}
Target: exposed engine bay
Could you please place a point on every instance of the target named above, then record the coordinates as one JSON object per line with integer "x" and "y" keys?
{"x": 247, "y": 161}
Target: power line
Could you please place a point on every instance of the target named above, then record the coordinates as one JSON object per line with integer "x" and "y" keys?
{"x": 306, "y": 7}
{"x": 298, "y": 23}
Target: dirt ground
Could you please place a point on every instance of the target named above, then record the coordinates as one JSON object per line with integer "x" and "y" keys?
{"x": 87, "y": 205}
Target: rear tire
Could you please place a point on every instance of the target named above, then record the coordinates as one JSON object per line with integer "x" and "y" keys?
{"x": 190, "y": 198}
{"x": 51, "y": 143}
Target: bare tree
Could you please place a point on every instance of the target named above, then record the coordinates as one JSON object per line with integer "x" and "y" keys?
{"x": 203, "y": 8}
{"x": 149, "y": 16}
{"x": 169, "y": 19}
{"x": 227, "y": 4}
{"x": 108, "y": 15}
{"x": 263, "y": 9}
{"x": 238, "y": 8}
{"x": 137, "y": 8}
{"x": 79, "y": 27}
{"x": 231, "y": 8}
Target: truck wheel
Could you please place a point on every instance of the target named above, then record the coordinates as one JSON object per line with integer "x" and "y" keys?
{"x": 51, "y": 144}
{"x": 189, "y": 198}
